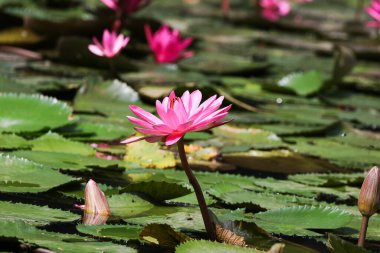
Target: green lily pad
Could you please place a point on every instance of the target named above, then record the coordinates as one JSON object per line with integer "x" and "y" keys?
{"x": 21, "y": 175}
{"x": 36, "y": 215}
{"x": 297, "y": 220}
{"x": 52, "y": 142}
{"x": 338, "y": 245}
{"x": 149, "y": 155}
{"x": 30, "y": 113}
{"x": 116, "y": 232}
{"x": 196, "y": 246}
{"x": 159, "y": 189}
{"x": 218, "y": 63}
{"x": 127, "y": 205}
{"x": 65, "y": 160}
{"x": 57, "y": 241}
{"x": 302, "y": 84}
{"x": 12, "y": 141}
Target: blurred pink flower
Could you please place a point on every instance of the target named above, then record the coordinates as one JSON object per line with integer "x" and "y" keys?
{"x": 125, "y": 6}
{"x": 374, "y": 11}
{"x": 167, "y": 45}
{"x": 111, "y": 44}
{"x": 178, "y": 116}
{"x": 95, "y": 200}
{"x": 272, "y": 10}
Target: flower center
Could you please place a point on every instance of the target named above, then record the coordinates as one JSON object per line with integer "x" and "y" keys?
{"x": 172, "y": 101}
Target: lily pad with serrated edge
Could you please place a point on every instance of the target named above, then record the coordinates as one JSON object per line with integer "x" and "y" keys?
{"x": 299, "y": 219}
{"x": 30, "y": 113}
{"x": 32, "y": 214}
{"x": 22, "y": 175}
{"x": 58, "y": 242}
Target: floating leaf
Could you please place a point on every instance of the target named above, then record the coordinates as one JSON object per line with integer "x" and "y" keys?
{"x": 36, "y": 215}
{"x": 337, "y": 245}
{"x": 128, "y": 205}
{"x": 21, "y": 175}
{"x": 29, "y": 113}
{"x": 212, "y": 247}
{"x": 65, "y": 160}
{"x": 163, "y": 235}
{"x": 297, "y": 220}
{"x": 218, "y": 63}
{"x": 57, "y": 241}
{"x": 52, "y": 142}
{"x": 12, "y": 141}
{"x": 303, "y": 84}
{"x": 116, "y": 232}
{"x": 149, "y": 155}
{"x": 159, "y": 190}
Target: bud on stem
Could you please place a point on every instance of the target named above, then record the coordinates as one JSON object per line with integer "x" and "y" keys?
{"x": 369, "y": 200}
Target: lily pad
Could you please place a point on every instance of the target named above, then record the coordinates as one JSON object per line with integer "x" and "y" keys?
{"x": 57, "y": 241}
{"x": 32, "y": 214}
{"x": 128, "y": 205}
{"x": 297, "y": 220}
{"x": 212, "y": 247}
{"x": 217, "y": 63}
{"x": 116, "y": 232}
{"x": 149, "y": 155}
{"x": 21, "y": 175}
{"x": 302, "y": 84}
{"x": 52, "y": 142}
{"x": 30, "y": 113}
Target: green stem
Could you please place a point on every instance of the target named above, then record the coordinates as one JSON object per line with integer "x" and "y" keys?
{"x": 363, "y": 231}
{"x": 209, "y": 225}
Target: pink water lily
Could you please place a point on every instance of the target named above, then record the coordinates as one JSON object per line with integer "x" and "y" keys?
{"x": 374, "y": 11}
{"x": 178, "y": 116}
{"x": 167, "y": 45}
{"x": 125, "y": 6}
{"x": 272, "y": 10}
{"x": 111, "y": 45}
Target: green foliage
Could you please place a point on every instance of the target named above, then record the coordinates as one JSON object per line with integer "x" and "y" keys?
{"x": 52, "y": 142}
{"x": 29, "y": 113}
{"x": 338, "y": 245}
{"x": 128, "y": 205}
{"x": 303, "y": 84}
{"x": 35, "y": 215}
{"x": 300, "y": 219}
{"x": 212, "y": 247}
{"x": 116, "y": 232}
{"x": 21, "y": 175}
{"x": 56, "y": 241}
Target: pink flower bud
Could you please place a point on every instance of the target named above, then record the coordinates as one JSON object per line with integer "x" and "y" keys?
{"x": 95, "y": 200}
{"x": 369, "y": 196}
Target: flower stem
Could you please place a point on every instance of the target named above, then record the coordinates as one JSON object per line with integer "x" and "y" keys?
{"x": 210, "y": 228}
{"x": 363, "y": 231}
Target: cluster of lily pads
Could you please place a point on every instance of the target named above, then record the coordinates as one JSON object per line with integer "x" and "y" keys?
{"x": 284, "y": 175}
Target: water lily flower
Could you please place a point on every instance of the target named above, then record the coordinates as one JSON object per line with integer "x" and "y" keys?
{"x": 95, "y": 200}
{"x": 178, "y": 116}
{"x": 369, "y": 200}
{"x": 125, "y": 6}
{"x": 111, "y": 45}
{"x": 272, "y": 10}
{"x": 374, "y": 11}
{"x": 167, "y": 45}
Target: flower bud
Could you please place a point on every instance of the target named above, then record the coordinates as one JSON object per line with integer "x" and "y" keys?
{"x": 95, "y": 200}
{"x": 369, "y": 196}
